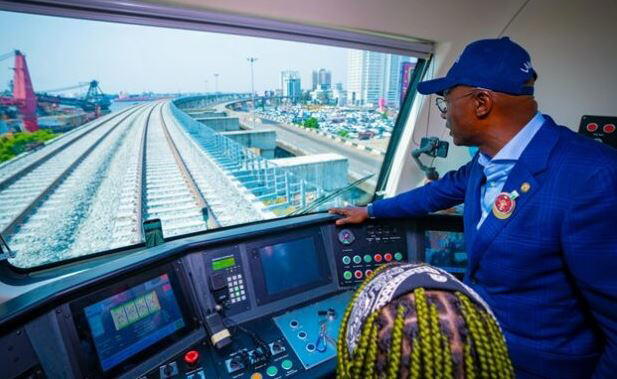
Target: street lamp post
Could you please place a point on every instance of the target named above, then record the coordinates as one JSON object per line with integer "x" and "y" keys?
{"x": 252, "y": 60}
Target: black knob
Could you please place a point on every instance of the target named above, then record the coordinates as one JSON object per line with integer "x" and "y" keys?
{"x": 277, "y": 346}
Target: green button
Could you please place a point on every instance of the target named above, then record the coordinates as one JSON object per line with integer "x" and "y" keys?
{"x": 398, "y": 256}
{"x": 286, "y": 364}
{"x": 347, "y": 275}
{"x": 346, "y": 260}
{"x": 357, "y": 259}
{"x": 272, "y": 370}
{"x": 368, "y": 258}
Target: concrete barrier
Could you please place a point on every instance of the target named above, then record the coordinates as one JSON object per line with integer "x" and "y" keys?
{"x": 221, "y": 124}
{"x": 328, "y": 171}
{"x": 264, "y": 140}
{"x": 207, "y": 114}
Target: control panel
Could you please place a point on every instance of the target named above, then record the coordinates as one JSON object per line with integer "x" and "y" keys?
{"x": 226, "y": 279}
{"x": 600, "y": 128}
{"x": 360, "y": 249}
{"x": 253, "y": 305}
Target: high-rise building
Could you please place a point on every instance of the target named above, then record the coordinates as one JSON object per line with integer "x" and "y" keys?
{"x": 290, "y": 85}
{"x": 372, "y": 76}
{"x": 322, "y": 79}
{"x": 315, "y": 80}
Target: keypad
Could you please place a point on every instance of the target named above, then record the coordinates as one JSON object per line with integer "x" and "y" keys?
{"x": 235, "y": 283}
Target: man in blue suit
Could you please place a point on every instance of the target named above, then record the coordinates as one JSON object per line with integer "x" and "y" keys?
{"x": 540, "y": 215}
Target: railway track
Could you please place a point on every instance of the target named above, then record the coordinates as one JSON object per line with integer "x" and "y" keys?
{"x": 171, "y": 193}
{"x": 94, "y": 195}
{"x": 38, "y": 211}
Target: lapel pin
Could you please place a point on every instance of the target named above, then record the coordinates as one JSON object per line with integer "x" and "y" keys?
{"x": 504, "y": 204}
{"x": 525, "y": 187}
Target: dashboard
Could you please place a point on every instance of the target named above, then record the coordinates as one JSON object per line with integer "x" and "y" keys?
{"x": 263, "y": 300}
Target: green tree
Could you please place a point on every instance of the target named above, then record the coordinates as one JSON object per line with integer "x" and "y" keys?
{"x": 343, "y": 133}
{"x": 311, "y": 123}
{"x": 13, "y": 145}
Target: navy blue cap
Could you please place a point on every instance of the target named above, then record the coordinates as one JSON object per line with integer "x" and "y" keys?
{"x": 496, "y": 64}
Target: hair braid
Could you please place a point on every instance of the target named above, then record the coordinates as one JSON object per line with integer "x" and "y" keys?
{"x": 371, "y": 354}
{"x": 484, "y": 341}
{"x": 436, "y": 341}
{"x": 447, "y": 358}
{"x": 479, "y": 339}
{"x": 360, "y": 353}
{"x": 506, "y": 365}
{"x": 344, "y": 359}
{"x": 425, "y": 336}
{"x": 416, "y": 363}
{"x": 396, "y": 345}
{"x": 342, "y": 371}
{"x": 470, "y": 369}
{"x": 494, "y": 343}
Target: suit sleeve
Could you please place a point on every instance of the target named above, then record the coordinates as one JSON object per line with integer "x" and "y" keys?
{"x": 590, "y": 248}
{"x": 441, "y": 194}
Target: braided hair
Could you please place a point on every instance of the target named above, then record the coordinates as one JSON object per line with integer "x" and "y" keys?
{"x": 424, "y": 333}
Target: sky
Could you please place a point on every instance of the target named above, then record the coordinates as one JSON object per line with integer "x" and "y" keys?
{"x": 62, "y": 52}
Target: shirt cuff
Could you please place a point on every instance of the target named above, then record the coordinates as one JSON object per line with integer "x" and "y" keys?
{"x": 369, "y": 210}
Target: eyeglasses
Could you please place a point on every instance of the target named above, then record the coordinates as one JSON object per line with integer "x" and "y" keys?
{"x": 442, "y": 103}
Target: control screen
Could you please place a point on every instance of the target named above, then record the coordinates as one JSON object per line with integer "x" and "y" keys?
{"x": 446, "y": 249}
{"x": 223, "y": 263}
{"x": 128, "y": 322}
{"x": 290, "y": 265}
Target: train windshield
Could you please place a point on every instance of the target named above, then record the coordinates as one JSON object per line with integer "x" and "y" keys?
{"x": 112, "y": 135}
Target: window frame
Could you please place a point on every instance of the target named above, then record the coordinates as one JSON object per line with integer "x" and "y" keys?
{"x": 149, "y": 14}
{"x": 136, "y": 12}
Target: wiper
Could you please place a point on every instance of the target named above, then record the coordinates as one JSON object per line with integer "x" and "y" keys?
{"x": 5, "y": 246}
{"x": 324, "y": 199}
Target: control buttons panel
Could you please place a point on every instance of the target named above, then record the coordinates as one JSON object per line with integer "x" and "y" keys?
{"x": 259, "y": 364}
{"x": 227, "y": 282}
{"x": 189, "y": 365}
{"x": 600, "y": 128}
{"x": 361, "y": 249}
{"x": 235, "y": 284}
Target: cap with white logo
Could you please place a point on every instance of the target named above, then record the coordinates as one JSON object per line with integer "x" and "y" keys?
{"x": 497, "y": 64}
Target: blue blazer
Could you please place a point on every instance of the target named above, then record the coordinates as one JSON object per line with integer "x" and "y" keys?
{"x": 549, "y": 271}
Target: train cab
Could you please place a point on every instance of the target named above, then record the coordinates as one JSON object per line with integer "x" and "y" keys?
{"x": 167, "y": 170}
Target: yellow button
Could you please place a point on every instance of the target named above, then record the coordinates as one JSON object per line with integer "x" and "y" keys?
{"x": 256, "y": 375}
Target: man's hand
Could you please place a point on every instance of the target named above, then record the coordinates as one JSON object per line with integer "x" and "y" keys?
{"x": 353, "y": 215}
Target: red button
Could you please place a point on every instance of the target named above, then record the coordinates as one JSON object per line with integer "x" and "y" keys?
{"x": 358, "y": 274}
{"x": 191, "y": 357}
{"x": 609, "y": 128}
{"x": 377, "y": 258}
{"x": 592, "y": 127}
{"x": 388, "y": 257}
{"x": 368, "y": 272}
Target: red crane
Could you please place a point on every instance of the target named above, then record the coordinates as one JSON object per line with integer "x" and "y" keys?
{"x": 23, "y": 93}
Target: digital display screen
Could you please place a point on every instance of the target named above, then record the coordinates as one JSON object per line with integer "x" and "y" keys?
{"x": 446, "y": 250}
{"x": 130, "y": 321}
{"x": 223, "y": 263}
{"x": 290, "y": 265}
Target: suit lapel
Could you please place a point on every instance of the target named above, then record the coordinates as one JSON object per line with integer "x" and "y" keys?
{"x": 532, "y": 162}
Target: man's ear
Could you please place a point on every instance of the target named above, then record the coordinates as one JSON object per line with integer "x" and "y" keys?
{"x": 484, "y": 103}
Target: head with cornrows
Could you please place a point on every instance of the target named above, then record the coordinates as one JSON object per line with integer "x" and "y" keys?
{"x": 418, "y": 321}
